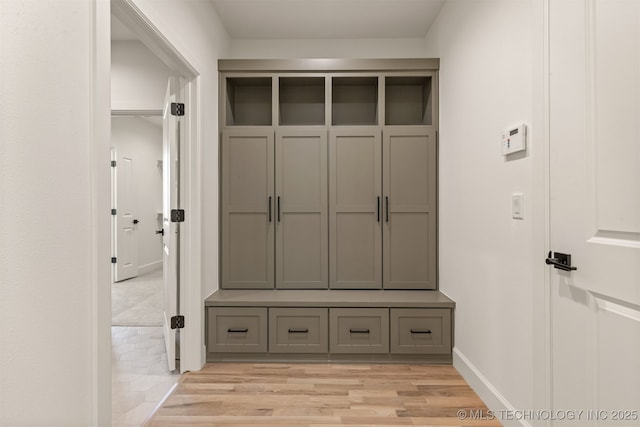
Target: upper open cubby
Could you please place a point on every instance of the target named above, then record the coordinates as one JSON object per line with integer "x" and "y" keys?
{"x": 248, "y": 101}
{"x": 354, "y": 101}
{"x": 302, "y": 101}
{"x": 408, "y": 101}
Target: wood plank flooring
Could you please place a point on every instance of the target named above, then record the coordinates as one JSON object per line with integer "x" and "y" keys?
{"x": 244, "y": 394}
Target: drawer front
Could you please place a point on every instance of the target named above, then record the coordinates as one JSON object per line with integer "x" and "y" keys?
{"x": 237, "y": 330}
{"x": 359, "y": 330}
{"x": 420, "y": 331}
{"x": 298, "y": 330}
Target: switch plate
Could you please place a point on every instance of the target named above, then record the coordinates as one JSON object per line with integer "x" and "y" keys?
{"x": 514, "y": 140}
{"x": 517, "y": 206}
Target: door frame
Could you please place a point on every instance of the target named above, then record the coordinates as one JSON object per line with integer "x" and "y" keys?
{"x": 192, "y": 336}
{"x": 541, "y": 293}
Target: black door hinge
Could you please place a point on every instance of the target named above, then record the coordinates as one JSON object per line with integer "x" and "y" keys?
{"x": 177, "y": 215}
{"x": 177, "y": 109}
{"x": 114, "y": 260}
{"x": 113, "y": 212}
{"x": 113, "y": 163}
{"x": 177, "y": 322}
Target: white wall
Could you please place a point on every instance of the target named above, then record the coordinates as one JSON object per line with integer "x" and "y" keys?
{"x": 142, "y": 140}
{"x": 138, "y": 77}
{"x": 328, "y": 48}
{"x": 47, "y": 270}
{"x": 487, "y": 259}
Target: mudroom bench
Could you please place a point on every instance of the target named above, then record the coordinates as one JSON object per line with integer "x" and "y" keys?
{"x": 329, "y": 325}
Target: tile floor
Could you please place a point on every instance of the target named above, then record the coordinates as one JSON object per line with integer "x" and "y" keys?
{"x": 139, "y": 374}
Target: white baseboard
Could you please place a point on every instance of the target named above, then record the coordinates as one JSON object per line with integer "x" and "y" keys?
{"x": 148, "y": 268}
{"x": 490, "y": 395}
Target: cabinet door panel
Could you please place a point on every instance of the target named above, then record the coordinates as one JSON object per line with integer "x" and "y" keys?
{"x": 356, "y": 250}
{"x": 301, "y": 209}
{"x": 410, "y": 240}
{"x": 354, "y": 206}
{"x": 247, "y": 232}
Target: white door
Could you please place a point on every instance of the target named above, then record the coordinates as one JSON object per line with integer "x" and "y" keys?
{"x": 595, "y": 210}
{"x": 170, "y": 200}
{"x": 125, "y": 222}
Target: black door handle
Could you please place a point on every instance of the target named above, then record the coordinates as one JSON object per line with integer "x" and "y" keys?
{"x": 560, "y": 261}
{"x": 135, "y": 221}
{"x": 386, "y": 199}
{"x": 278, "y": 208}
{"x": 378, "y": 208}
{"x": 160, "y": 232}
{"x": 269, "y": 208}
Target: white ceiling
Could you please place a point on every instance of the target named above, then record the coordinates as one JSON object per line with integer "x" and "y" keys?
{"x": 312, "y": 19}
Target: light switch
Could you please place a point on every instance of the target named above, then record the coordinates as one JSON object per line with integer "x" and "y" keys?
{"x": 517, "y": 206}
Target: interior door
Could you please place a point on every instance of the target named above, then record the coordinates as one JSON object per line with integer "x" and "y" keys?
{"x": 170, "y": 200}
{"x": 125, "y": 222}
{"x": 595, "y": 210}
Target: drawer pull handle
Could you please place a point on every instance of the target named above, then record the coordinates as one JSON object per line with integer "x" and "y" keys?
{"x": 359, "y": 331}
{"x": 237, "y": 331}
{"x": 420, "y": 331}
{"x": 299, "y": 331}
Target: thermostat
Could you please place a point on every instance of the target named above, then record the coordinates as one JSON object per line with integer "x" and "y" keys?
{"x": 514, "y": 140}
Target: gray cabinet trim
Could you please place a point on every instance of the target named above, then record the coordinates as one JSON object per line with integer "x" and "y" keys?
{"x": 329, "y": 298}
{"x": 340, "y": 64}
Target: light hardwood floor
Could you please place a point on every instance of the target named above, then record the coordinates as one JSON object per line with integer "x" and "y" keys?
{"x": 225, "y": 394}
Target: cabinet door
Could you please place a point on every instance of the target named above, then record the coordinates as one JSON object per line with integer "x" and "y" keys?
{"x": 355, "y": 197}
{"x": 410, "y": 240}
{"x": 301, "y": 209}
{"x": 247, "y": 224}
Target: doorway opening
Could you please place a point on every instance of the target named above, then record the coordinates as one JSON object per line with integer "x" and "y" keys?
{"x": 143, "y": 363}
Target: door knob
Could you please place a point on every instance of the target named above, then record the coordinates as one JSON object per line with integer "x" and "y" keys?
{"x": 135, "y": 221}
{"x": 560, "y": 261}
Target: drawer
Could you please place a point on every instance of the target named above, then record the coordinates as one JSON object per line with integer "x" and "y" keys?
{"x": 420, "y": 331}
{"x": 359, "y": 330}
{"x": 298, "y": 330}
{"x": 237, "y": 330}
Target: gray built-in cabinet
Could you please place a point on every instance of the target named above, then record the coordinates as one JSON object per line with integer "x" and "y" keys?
{"x": 329, "y": 174}
{"x": 328, "y": 213}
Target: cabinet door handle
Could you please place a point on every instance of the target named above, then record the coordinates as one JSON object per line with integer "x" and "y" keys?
{"x": 269, "y": 208}
{"x": 298, "y": 331}
{"x": 278, "y": 208}
{"x": 359, "y": 331}
{"x": 420, "y": 331}
{"x": 378, "y": 208}
{"x": 237, "y": 330}
{"x": 386, "y": 199}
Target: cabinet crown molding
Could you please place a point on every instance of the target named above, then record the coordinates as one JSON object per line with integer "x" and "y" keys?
{"x": 327, "y": 64}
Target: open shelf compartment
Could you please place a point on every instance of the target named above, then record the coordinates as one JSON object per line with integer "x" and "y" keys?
{"x": 248, "y": 101}
{"x": 408, "y": 100}
{"x": 354, "y": 101}
{"x": 302, "y": 101}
